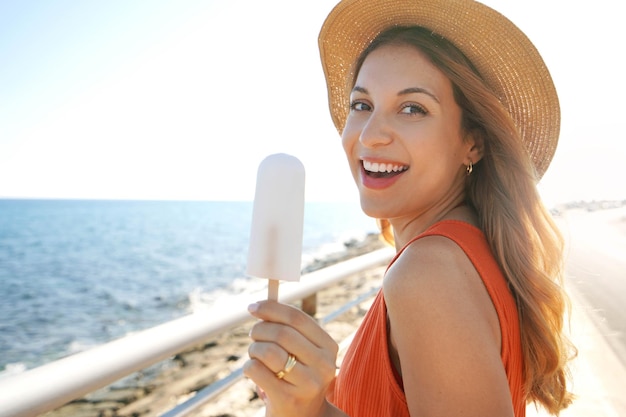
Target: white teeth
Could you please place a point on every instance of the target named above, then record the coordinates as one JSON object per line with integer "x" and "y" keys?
{"x": 377, "y": 167}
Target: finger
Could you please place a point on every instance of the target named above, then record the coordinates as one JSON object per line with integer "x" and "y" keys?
{"x": 270, "y": 384}
{"x": 294, "y": 342}
{"x": 263, "y": 376}
{"x": 301, "y": 386}
{"x": 280, "y": 313}
{"x": 319, "y": 371}
{"x": 287, "y": 340}
{"x": 270, "y": 354}
{"x": 300, "y": 381}
{"x": 262, "y": 395}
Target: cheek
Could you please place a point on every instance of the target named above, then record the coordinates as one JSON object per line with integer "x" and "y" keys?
{"x": 346, "y": 141}
{"x": 351, "y": 132}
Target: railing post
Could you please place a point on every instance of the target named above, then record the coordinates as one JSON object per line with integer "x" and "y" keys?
{"x": 309, "y": 304}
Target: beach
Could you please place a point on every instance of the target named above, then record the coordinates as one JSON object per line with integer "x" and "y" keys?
{"x": 597, "y": 372}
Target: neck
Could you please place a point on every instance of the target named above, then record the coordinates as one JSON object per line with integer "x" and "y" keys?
{"x": 407, "y": 228}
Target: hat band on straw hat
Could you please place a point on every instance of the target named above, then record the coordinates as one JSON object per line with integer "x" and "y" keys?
{"x": 504, "y": 56}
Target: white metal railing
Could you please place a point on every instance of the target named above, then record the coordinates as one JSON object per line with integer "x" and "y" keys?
{"x": 52, "y": 385}
{"x": 208, "y": 393}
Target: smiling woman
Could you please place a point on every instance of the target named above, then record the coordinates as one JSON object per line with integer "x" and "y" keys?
{"x": 445, "y": 140}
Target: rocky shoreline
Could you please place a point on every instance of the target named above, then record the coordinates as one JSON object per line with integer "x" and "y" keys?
{"x": 163, "y": 386}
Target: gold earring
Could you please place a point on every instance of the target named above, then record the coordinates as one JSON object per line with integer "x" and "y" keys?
{"x": 470, "y": 168}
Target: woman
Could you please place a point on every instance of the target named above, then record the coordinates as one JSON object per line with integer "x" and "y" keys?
{"x": 448, "y": 118}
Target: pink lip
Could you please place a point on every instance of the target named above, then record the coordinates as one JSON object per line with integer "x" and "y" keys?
{"x": 378, "y": 183}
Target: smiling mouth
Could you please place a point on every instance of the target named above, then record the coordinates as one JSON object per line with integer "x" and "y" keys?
{"x": 382, "y": 170}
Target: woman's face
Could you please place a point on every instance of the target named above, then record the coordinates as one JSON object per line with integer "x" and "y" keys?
{"x": 403, "y": 135}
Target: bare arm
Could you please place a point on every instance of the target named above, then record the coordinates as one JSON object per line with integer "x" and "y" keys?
{"x": 444, "y": 335}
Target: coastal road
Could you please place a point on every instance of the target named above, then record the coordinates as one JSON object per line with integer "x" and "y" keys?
{"x": 596, "y": 269}
{"x": 595, "y": 277}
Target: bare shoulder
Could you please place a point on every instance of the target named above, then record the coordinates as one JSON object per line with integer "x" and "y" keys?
{"x": 434, "y": 277}
{"x": 444, "y": 332}
{"x": 434, "y": 264}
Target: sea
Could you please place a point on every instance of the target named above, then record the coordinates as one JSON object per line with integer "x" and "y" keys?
{"x": 78, "y": 273}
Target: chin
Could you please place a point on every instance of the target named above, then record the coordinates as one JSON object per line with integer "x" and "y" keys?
{"x": 372, "y": 208}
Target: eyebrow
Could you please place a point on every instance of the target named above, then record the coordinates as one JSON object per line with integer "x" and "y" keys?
{"x": 410, "y": 90}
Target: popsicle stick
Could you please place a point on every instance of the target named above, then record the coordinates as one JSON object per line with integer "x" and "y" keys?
{"x": 272, "y": 289}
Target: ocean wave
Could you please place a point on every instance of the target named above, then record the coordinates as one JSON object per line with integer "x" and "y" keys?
{"x": 203, "y": 300}
{"x": 13, "y": 369}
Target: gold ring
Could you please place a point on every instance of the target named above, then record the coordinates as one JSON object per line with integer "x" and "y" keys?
{"x": 291, "y": 363}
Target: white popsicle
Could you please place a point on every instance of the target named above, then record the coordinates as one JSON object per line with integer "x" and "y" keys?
{"x": 275, "y": 250}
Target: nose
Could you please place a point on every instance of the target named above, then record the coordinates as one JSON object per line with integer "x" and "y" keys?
{"x": 376, "y": 131}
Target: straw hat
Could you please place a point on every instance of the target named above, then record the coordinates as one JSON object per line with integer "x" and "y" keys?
{"x": 504, "y": 56}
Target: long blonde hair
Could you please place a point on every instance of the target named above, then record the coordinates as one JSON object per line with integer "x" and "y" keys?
{"x": 522, "y": 234}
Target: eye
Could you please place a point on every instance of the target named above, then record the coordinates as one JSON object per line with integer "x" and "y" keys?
{"x": 413, "y": 108}
{"x": 360, "y": 106}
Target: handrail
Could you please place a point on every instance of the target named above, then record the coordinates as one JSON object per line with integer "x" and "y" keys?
{"x": 208, "y": 393}
{"x": 205, "y": 395}
{"x": 52, "y": 385}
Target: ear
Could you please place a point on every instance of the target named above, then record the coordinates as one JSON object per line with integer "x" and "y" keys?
{"x": 475, "y": 147}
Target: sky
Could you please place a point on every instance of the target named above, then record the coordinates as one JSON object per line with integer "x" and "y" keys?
{"x": 156, "y": 99}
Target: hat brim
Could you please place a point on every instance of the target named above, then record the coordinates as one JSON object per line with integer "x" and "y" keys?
{"x": 506, "y": 59}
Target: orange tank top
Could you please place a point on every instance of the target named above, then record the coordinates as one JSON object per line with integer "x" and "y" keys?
{"x": 367, "y": 384}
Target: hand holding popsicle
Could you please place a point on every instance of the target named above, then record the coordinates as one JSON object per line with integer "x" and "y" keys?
{"x": 305, "y": 360}
{"x": 275, "y": 250}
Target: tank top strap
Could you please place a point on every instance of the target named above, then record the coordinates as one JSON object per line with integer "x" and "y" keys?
{"x": 464, "y": 234}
